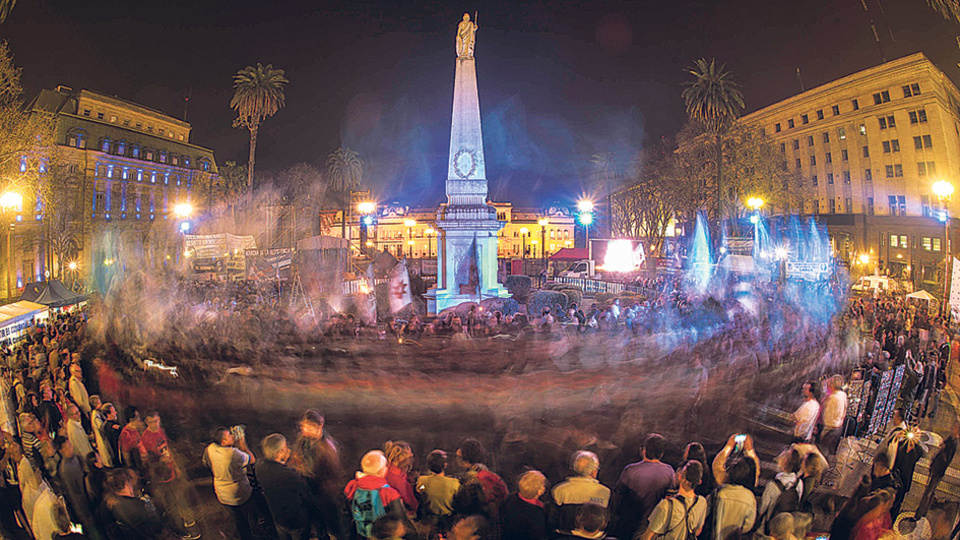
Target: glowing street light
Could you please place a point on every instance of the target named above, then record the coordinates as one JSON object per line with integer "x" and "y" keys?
{"x": 585, "y": 205}
{"x": 863, "y": 258}
{"x": 524, "y": 234}
{"x": 755, "y": 203}
{"x": 366, "y": 207}
{"x": 10, "y": 201}
{"x": 943, "y": 190}
{"x": 183, "y": 210}
{"x": 543, "y": 222}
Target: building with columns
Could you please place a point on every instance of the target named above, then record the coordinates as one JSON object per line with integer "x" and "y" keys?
{"x": 126, "y": 167}
{"x": 869, "y": 147}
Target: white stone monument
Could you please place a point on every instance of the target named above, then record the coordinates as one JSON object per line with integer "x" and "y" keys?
{"x": 468, "y": 226}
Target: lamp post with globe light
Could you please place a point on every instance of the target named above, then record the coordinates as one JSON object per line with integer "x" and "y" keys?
{"x": 755, "y": 204}
{"x": 543, "y": 222}
{"x": 524, "y": 234}
{"x": 183, "y": 211}
{"x": 366, "y": 210}
{"x": 10, "y": 201}
{"x": 944, "y": 190}
{"x": 585, "y": 206}
{"x": 410, "y": 224}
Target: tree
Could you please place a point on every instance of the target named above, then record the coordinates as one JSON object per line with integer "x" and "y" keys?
{"x": 648, "y": 203}
{"x": 257, "y": 95}
{"x": 6, "y": 6}
{"x": 713, "y": 100}
{"x": 345, "y": 171}
{"x": 948, "y": 9}
{"x": 606, "y": 177}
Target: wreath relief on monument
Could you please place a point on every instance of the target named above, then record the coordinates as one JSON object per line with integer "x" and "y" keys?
{"x": 461, "y": 166}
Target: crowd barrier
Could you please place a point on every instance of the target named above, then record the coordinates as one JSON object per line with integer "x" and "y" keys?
{"x": 598, "y": 286}
{"x": 353, "y": 287}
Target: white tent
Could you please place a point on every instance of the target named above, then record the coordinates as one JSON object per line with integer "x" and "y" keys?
{"x": 922, "y": 295}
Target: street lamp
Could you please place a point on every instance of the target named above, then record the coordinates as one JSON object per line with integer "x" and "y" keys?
{"x": 524, "y": 233}
{"x": 10, "y": 201}
{"x": 366, "y": 209}
{"x": 586, "y": 218}
{"x": 543, "y": 222}
{"x": 429, "y": 232}
{"x": 410, "y": 224}
{"x": 943, "y": 190}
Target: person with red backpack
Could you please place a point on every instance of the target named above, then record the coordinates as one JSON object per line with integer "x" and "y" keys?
{"x": 370, "y": 496}
{"x": 783, "y": 493}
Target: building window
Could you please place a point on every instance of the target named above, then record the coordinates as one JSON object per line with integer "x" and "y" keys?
{"x": 125, "y": 174}
{"x": 863, "y": 129}
{"x": 826, "y": 137}
{"x": 86, "y": 112}
{"x": 833, "y": 206}
{"x": 126, "y": 122}
{"x": 925, "y": 205}
{"x": 816, "y": 206}
{"x": 135, "y": 151}
{"x": 796, "y": 144}
{"x": 820, "y": 114}
{"x": 842, "y": 133}
{"x": 813, "y": 161}
{"x": 776, "y": 127}
{"x": 910, "y": 90}
{"x": 113, "y": 118}
{"x": 898, "y": 170}
{"x": 149, "y": 129}
{"x": 174, "y": 160}
{"x": 883, "y": 122}
{"x": 783, "y": 147}
{"x": 790, "y": 123}
{"x": 889, "y": 171}
{"x": 139, "y": 175}
{"x": 868, "y": 175}
{"x": 866, "y": 151}
{"x": 870, "y": 205}
{"x": 926, "y": 243}
{"x": 881, "y": 97}
{"x": 844, "y": 156}
{"x": 895, "y": 145}
{"x": 121, "y": 148}
{"x": 186, "y": 162}
{"x": 835, "y": 109}
{"x": 798, "y": 163}
{"x": 829, "y": 157}
{"x": 814, "y": 178}
{"x": 98, "y": 202}
{"x": 921, "y": 169}
{"x": 894, "y": 241}
{"x": 856, "y": 105}
{"x": 918, "y": 117}
{"x": 139, "y": 125}
{"x": 153, "y": 177}
{"x": 99, "y": 116}
{"x": 892, "y": 201}
{"x": 848, "y": 205}
{"x": 846, "y": 177}
{"x": 830, "y": 178}
{"x": 804, "y": 119}
{"x": 809, "y": 140}
{"x": 936, "y": 244}
{"x": 927, "y": 141}
{"x": 932, "y": 167}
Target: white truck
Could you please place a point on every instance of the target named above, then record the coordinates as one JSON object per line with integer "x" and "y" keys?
{"x": 582, "y": 269}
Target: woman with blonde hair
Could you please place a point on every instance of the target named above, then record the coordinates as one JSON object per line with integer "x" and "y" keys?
{"x": 399, "y": 464}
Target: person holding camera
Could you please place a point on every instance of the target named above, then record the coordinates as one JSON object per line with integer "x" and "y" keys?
{"x": 227, "y": 457}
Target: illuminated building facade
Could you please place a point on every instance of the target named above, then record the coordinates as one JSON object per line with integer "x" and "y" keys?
{"x": 127, "y": 166}
{"x": 869, "y": 147}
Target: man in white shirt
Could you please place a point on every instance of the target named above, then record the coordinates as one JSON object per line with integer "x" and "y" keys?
{"x": 76, "y": 433}
{"x": 78, "y": 392}
{"x": 834, "y": 413}
{"x": 226, "y": 458}
{"x": 806, "y": 416}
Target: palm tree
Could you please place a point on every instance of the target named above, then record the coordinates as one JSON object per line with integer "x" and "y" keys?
{"x": 257, "y": 95}
{"x": 6, "y": 6}
{"x": 345, "y": 170}
{"x": 713, "y": 100}
{"x": 948, "y": 9}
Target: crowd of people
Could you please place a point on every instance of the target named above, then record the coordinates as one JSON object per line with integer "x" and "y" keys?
{"x": 78, "y": 463}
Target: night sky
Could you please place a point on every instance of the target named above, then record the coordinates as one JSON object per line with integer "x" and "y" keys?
{"x": 559, "y": 80}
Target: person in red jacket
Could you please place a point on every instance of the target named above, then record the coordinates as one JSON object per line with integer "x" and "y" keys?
{"x": 399, "y": 462}
{"x": 495, "y": 491}
{"x": 371, "y": 478}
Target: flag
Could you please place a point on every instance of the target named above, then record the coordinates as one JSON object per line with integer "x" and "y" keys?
{"x": 955, "y": 287}
{"x": 398, "y": 286}
{"x": 368, "y": 302}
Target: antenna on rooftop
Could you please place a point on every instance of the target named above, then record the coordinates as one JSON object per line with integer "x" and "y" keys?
{"x": 186, "y": 102}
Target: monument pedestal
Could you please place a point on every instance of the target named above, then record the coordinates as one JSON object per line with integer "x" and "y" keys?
{"x": 466, "y": 259}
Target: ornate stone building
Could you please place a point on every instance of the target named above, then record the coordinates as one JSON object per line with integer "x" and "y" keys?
{"x": 125, "y": 167}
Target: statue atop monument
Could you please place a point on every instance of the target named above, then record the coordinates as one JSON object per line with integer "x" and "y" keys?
{"x": 465, "y": 37}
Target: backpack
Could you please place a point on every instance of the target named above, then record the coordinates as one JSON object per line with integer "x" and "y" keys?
{"x": 788, "y": 501}
{"x": 691, "y": 535}
{"x": 366, "y": 507}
